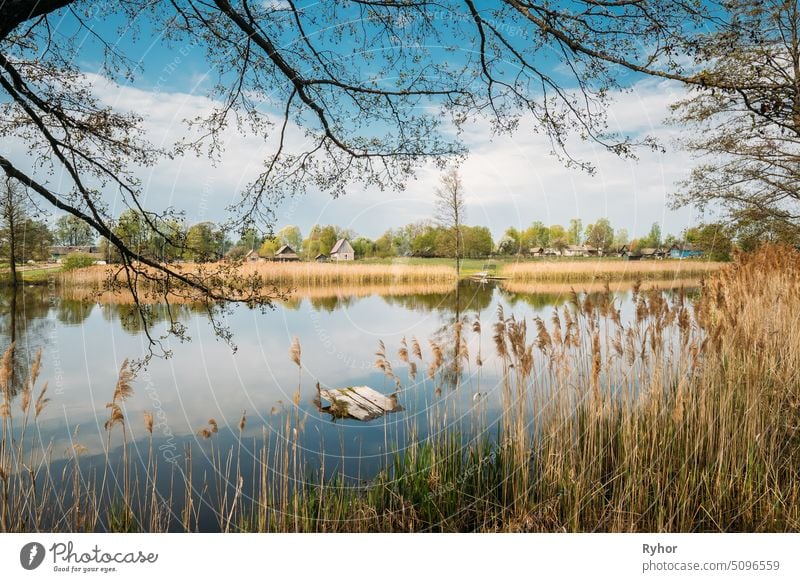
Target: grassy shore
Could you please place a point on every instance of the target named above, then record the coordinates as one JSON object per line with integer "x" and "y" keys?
{"x": 562, "y": 271}
{"x": 684, "y": 419}
{"x": 410, "y": 271}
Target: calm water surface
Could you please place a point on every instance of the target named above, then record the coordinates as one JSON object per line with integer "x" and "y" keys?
{"x": 84, "y": 343}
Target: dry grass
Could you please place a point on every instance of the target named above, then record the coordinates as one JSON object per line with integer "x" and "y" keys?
{"x": 296, "y": 274}
{"x": 587, "y": 270}
{"x": 686, "y": 418}
{"x": 533, "y": 287}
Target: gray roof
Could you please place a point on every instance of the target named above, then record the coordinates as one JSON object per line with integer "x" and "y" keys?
{"x": 285, "y": 250}
{"x": 337, "y": 247}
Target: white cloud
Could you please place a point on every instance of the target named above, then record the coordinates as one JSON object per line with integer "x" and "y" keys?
{"x": 509, "y": 180}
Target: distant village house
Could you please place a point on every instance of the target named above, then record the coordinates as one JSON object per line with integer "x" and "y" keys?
{"x": 57, "y": 253}
{"x": 252, "y": 257}
{"x": 286, "y": 254}
{"x": 685, "y": 251}
{"x": 342, "y": 251}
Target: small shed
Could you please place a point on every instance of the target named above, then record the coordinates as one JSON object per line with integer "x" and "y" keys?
{"x": 321, "y": 258}
{"x": 342, "y": 251}
{"x": 536, "y": 251}
{"x": 286, "y": 254}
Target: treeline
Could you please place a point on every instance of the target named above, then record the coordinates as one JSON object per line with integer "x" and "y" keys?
{"x": 169, "y": 240}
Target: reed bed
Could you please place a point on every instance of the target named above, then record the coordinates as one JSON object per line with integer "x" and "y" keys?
{"x": 300, "y": 274}
{"x": 685, "y": 418}
{"x": 566, "y": 271}
{"x": 534, "y": 287}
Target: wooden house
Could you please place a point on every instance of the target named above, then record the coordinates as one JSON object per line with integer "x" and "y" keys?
{"x": 252, "y": 257}
{"x": 652, "y": 253}
{"x": 574, "y": 251}
{"x": 342, "y": 251}
{"x": 57, "y": 253}
{"x": 321, "y": 258}
{"x": 685, "y": 251}
{"x": 286, "y": 254}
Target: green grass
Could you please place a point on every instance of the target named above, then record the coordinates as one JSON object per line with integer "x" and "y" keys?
{"x": 30, "y": 276}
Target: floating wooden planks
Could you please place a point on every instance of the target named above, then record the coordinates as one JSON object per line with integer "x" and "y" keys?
{"x": 358, "y": 402}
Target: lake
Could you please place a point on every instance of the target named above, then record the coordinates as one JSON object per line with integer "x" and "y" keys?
{"x": 342, "y": 334}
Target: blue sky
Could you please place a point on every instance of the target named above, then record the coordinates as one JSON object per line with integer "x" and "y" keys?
{"x": 509, "y": 180}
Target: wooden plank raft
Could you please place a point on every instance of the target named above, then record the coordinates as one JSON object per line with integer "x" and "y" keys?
{"x": 358, "y": 402}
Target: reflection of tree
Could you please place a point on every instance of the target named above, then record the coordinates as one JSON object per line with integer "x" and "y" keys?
{"x": 468, "y": 296}
{"x": 535, "y": 300}
{"x": 136, "y": 319}
{"x": 331, "y": 303}
{"x": 73, "y": 311}
{"x": 23, "y": 322}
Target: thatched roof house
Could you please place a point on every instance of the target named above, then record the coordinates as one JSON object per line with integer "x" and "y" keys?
{"x": 285, "y": 254}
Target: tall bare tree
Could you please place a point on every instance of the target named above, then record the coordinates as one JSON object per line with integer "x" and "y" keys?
{"x": 451, "y": 210}
{"x": 13, "y": 214}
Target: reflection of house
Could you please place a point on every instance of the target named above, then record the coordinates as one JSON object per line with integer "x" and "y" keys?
{"x": 286, "y": 254}
{"x": 252, "y": 257}
{"x": 685, "y": 251}
{"x": 57, "y": 253}
{"x": 321, "y": 258}
{"x": 342, "y": 251}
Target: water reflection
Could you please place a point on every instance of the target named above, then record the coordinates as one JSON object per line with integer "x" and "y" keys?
{"x": 84, "y": 343}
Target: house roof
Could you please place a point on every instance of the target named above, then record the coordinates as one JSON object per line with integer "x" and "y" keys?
{"x": 252, "y": 252}
{"x": 687, "y": 247}
{"x": 650, "y": 251}
{"x": 337, "y": 247}
{"x": 321, "y": 256}
{"x": 285, "y": 250}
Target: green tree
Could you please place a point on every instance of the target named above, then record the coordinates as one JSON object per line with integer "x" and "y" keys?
{"x": 72, "y": 231}
{"x": 270, "y": 246}
{"x": 714, "y": 238}
{"x": 133, "y": 231}
{"x": 290, "y": 235}
{"x": 204, "y": 242}
{"x": 511, "y": 242}
{"x": 600, "y": 234}
{"x": 620, "y": 237}
{"x": 477, "y": 241}
{"x": 653, "y": 238}
{"x": 575, "y": 231}
{"x": 559, "y": 238}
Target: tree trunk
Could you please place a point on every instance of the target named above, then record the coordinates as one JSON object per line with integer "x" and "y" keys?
{"x": 12, "y": 244}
